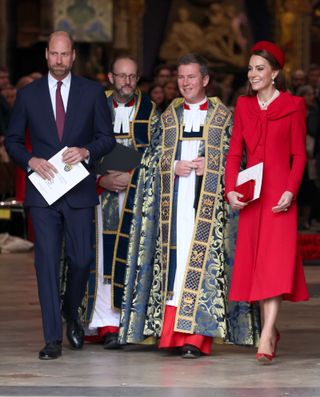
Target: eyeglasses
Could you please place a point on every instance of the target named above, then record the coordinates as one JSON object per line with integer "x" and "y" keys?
{"x": 123, "y": 76}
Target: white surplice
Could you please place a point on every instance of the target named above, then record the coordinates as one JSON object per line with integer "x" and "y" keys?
{"x": 186, "y": 197}
{"x": 104, "y": 315}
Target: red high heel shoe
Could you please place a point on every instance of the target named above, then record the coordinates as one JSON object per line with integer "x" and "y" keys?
{"x": 264, "y": 358}
{"x": 276, "y": 343}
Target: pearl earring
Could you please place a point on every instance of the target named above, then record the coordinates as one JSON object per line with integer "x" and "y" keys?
{"x": 272, "y": 80}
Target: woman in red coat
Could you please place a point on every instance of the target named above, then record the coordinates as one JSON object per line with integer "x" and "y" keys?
{"x": 270, "y": 127}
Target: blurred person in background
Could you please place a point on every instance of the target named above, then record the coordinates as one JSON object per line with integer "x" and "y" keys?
{"x": 313, "y": 79}
{"x": 7, "y": 168}
{"x": 162, "y": 74}
{"x": 35, "y": 75}
{"x": 4, "y": 78}
{"x": 144, "y": 85}
{"x": 156, "y": 94}
{"x": 308, "y": 197}
{"x": 23, "y": 81}
{"x": 9, "y": 93}
{"x": 4, "y": 107}
{"x": 20, "y": 177}
{"x": 298, "y": 79}
{"x": 170, "y": 89}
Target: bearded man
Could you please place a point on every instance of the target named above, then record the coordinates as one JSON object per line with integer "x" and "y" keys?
{"x": 135, "y": 121}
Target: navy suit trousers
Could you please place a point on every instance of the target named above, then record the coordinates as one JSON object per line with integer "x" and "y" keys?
{"x": 51, "y": 225}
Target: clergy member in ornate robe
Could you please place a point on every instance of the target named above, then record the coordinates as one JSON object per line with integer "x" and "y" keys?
{"x": 134, "y": 122}
{"x": 183, "y": 233}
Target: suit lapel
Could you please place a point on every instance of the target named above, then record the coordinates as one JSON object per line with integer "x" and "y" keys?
{"x": 73, "y": 106}
{"x": 45, "y": 108}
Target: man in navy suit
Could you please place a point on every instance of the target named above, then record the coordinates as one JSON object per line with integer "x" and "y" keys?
{"x": 61, "y": 110}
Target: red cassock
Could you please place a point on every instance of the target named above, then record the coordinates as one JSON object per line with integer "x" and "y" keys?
{"x": 267, "y": 261}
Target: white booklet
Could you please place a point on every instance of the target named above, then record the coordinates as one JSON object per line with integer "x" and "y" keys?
{"x": 67, "y": 177}
{"x": 255, "y": 173}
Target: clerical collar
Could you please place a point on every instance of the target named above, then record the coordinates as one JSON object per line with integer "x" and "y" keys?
{"x": 194, "y": 115}
{"x": 123, "y": 115}
{"x": 128, "y": 104}
{"x": 203, "y": 105}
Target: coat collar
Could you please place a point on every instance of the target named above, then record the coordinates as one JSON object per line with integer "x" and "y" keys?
{"x": 257, "y": 119}
{"x": 282, "y": 106}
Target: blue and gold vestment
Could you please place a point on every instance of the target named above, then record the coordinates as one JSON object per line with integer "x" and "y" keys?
{"x": 203, "y": 307}
{"x": 116, "y": 228}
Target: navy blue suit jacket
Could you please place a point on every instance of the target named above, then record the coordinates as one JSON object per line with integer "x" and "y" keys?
{"x": 87, "y": 124}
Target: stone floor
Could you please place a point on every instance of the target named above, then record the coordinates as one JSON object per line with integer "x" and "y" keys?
{"x": 230, "y": 371}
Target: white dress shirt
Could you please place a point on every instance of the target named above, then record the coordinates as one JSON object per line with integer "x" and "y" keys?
{"x": 65, "y": 89}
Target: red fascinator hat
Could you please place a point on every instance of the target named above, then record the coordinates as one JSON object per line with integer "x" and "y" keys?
{"x": 272, "y": 49}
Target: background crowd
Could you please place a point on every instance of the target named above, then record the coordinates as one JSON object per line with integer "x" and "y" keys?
{"x": 162, "y": 90}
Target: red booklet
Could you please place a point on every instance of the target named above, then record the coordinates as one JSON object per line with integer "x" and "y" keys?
{"x": 247, "y": 189}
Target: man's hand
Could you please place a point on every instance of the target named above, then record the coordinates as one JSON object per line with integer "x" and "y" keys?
{"x": 42, "y": 167}
{"x": 74, "y": 155}
{"x": 199, "y": 165}
{"x": 115, "y": 181}
{"x": 184, "y": 167}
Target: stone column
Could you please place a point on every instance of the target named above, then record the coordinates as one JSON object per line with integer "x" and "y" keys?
{"x": 46, "y": 19}
{"x": 128, "y": 27}
{"x": 293, "y": 32}
{"x": 136, "y": 11}
{"x": 121, "y": 21}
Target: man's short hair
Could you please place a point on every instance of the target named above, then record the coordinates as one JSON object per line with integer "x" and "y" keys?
{"x": 124, "y": 56}
{"x": 61, "y": 32}
{"x": 195, "y": 58}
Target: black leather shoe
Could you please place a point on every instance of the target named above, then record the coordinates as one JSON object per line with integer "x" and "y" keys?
{"x": 190, "y": 351}
{"x": 111, "y": 342}
{"x": 51, "y": 351}
{"x": 75, "y": 334}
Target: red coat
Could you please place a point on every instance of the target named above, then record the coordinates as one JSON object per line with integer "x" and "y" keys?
{"x": 267, "y": 259}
